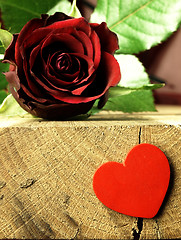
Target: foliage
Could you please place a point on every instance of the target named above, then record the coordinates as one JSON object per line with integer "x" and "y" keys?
{"x": 5, "y": 38}
{"x": 16, "y": 13}
{"x": 9, "y": 107}
{"x": 139, "y": 24}
{"x": 3, "y": 95}
{"x": 3, "y": 82}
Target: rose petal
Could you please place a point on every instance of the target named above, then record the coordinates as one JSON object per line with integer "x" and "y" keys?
{"x": 49, "y": 87}
{"x": 39, "y": 36}
{"x": 65, "y": 79}
{"x": 32, "y": 96}
{"x": 108, "y": 39}
{"x": 15, "y": 86}
{"x": 13, "y": 79}
{"x": 78, "y": 23}
{"x": 97, "y": 48}
{"x": 34, "y": 55}
{"x": 109, "y": 76}
{"x": 26, "y": 32}
{"x": 106, "y": 77}
{"x": 67, "y": 75}
{"x": 103, "y": 99}
{"x": 59, "y": 111}
{"x": 75, "y": 79}
{"x": 86, "y": 42}
{"x": 64, "y": 40}
{"x": 79, "y": 89}
{"x": 36, "y": 38}
{"x": 58, "y": 16}
{"x": 30, "y": 82}
{"x": 55, "y": 79}
{"x": 62, "y": 94}
{"x": 9, "y": 55}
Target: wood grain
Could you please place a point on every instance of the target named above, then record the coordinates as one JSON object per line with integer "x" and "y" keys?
{"x": 166, "y": 224}
{"x": 46, "y": 171}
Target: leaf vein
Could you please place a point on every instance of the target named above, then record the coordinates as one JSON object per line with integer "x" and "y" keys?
{"x": 131, "y": 14}
{"x": 127, "y": 36}
{"x": 21, "y": 8}
{"x": 150, "y": 22}
{"x": 142, "y": 31}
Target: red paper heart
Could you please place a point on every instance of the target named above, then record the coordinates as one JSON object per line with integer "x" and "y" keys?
{"x": 136, "y": 187}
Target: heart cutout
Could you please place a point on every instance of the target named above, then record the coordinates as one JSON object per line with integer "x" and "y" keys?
{"x": 137, "y": 186}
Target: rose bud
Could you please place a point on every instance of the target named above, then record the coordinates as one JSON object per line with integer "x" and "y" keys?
{"x": 60, "y": 65}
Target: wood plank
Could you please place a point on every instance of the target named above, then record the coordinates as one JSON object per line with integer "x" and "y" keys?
{"x": 46, "y": 171}
{"x": 166, "y": 224}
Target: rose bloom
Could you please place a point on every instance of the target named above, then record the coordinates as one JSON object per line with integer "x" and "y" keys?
{"x": 60, "y": 65}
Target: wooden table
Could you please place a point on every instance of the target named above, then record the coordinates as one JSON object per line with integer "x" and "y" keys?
{"x": 46, "y": 171}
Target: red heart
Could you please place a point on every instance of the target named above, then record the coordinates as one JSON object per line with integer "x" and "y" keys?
{"x": 136, "y": 187}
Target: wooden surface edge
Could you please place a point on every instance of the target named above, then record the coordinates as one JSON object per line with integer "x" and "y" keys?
{"x": 47, "y": 169}
{"x": 165, "y": 115}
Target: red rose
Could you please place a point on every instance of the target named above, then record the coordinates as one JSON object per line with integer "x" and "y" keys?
{"x": 61, "y": 65}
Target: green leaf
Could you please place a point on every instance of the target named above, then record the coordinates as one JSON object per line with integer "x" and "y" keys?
{"x": 133, "y": 92}
{"x": 16, "y": 14}
{"x": 3, "y": 95}
{"x": 94, "y": 109}
{"x": 139, "y": 24}
{"x": 119, "y": 91}
{"x": 1, "y": 56}
{"x": 62, "y": 6}
{"x": 67, "y": 8}
{"x": 133, "y": 73}
{"x": 5, "y": 38}
{"x": 4, "y": 67}
{"x": 134, "y": 76}
{"x": 137, "y": 101}
{"x": 2, "y": 49}
{"x": 74, "y": 11}
{"x": 10, "y": 107}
